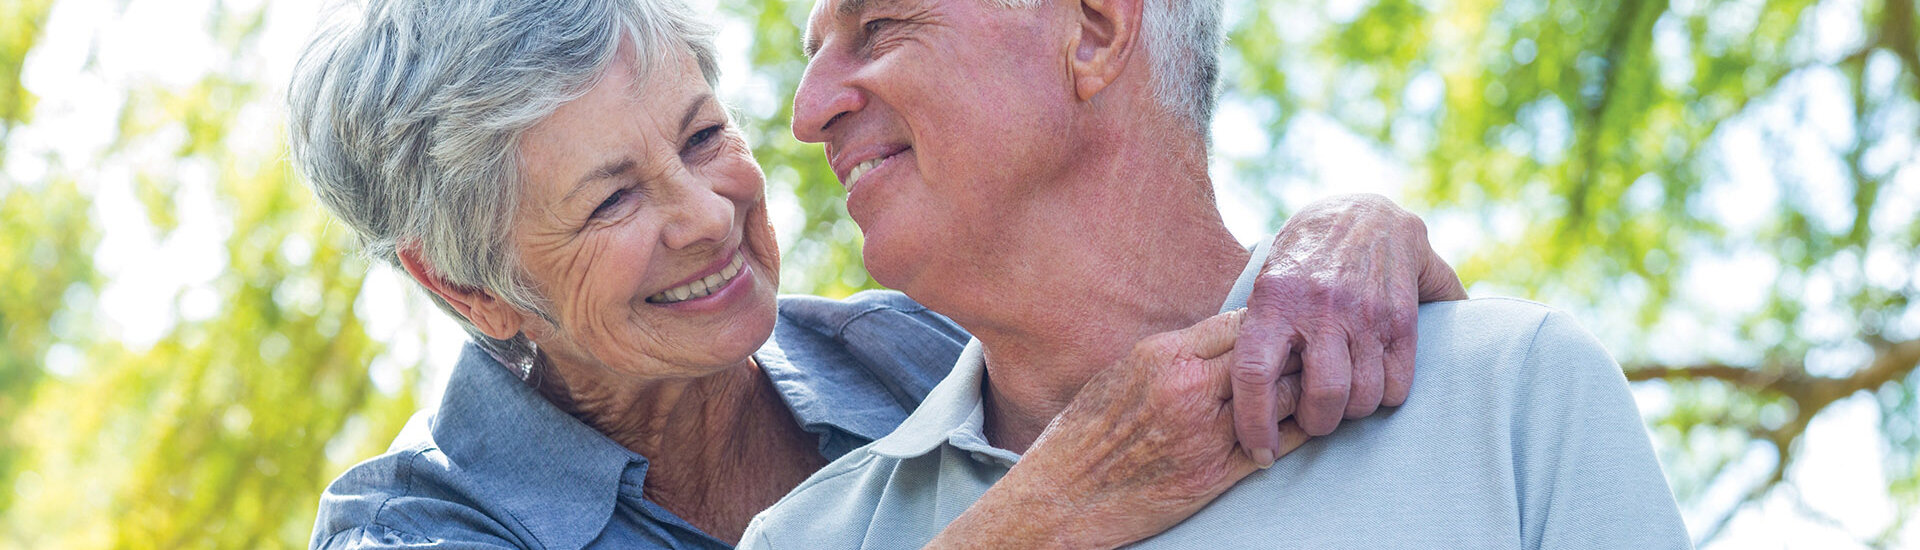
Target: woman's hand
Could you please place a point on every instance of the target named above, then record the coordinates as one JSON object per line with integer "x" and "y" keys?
{"x": 1341, "y": 288}
{"x": 1151, "y": 440}
{"x": 1145, "y": 444}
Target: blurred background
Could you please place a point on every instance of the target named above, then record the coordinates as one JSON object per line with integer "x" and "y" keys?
{"x": 1724, "y": 190}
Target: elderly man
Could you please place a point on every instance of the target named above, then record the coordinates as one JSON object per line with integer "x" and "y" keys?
{"x": 1036, "y": 170}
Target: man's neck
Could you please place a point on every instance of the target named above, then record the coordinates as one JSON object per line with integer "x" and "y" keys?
{"x": 1112, "y": 259}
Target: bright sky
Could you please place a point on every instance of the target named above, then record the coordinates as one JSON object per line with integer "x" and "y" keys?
{"x": 93, "y": 51}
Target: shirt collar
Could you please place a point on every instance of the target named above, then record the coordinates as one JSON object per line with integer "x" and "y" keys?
{"x": 808, "y": 392}
{"x": 952, "y": 411}
{"x": 1243, "y": 287}
{"x": 955, "y": 413}
{"x": 551, "y": 471}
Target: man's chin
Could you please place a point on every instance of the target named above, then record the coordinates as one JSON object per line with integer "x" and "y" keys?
{"x": 890, "y": 266}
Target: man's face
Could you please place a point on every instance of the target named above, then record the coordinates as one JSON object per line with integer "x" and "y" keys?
{"x": 938, "y": 116}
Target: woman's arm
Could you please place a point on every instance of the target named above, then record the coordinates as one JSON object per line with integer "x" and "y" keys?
{"x": 1146, "y": 443}
{"x": 1152, "y": 439}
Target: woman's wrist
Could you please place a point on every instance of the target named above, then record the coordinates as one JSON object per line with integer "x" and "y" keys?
{"x": 1009, "y": 515}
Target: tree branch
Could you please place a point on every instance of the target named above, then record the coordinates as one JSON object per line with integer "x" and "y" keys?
{"x": 1896, "y": 34}
{"x": 1753, "y": 495}
{"x": 1810, "y": 394}
{"x": 1892, "y": 361}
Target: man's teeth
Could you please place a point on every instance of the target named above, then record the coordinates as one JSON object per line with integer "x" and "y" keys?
{"x": 703, "y": 286}
{"x": 853, "y": 176}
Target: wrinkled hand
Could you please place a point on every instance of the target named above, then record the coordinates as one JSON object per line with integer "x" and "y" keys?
{"x": 1145, "y": 444}
{"x": 1341, "y": 289}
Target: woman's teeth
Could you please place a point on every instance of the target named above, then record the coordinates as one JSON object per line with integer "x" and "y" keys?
{"x": 704, "y": 286}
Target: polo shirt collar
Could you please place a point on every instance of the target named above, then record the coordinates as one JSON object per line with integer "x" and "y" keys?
{"x": 557, "y": 475}
{"x": 955, "y": 412}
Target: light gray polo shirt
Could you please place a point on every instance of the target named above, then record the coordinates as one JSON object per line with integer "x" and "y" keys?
{"x": 1520, "y": 433}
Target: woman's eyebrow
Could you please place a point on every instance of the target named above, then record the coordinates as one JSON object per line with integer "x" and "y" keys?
{"x": 611, "y": 169}
{"x": 619, "y": 166}
{"x": 693, "y": 110}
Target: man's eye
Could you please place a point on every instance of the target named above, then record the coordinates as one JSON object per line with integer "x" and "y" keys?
{"x": 612, "y": 201}
{"x": 875, "y": 25}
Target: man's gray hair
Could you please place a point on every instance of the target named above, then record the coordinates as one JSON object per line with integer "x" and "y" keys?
{"x": 1183, "y": 40}
{"x": 406, "y": 118}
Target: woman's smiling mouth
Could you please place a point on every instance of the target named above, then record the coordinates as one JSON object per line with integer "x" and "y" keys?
{"x": 704, "y": 286}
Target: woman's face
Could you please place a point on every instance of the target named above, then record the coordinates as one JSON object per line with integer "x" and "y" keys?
{"x": 643, "y": 221}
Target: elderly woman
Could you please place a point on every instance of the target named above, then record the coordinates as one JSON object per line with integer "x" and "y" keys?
{"x": 560, "y": 178}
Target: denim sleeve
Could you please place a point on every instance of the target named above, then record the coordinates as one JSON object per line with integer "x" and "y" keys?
{"x": 372, "y": 537}
{"x": 390, "y": 501}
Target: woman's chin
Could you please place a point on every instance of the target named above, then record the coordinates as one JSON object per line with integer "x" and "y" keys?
{"x": 732, "y": 328}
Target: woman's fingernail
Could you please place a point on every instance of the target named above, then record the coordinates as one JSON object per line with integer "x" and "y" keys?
{"x": 1263, "y": 458}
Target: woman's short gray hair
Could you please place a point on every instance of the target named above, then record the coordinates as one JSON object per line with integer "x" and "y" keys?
{"x": 1183, "y": 40}
{"x": 406, "y": 118}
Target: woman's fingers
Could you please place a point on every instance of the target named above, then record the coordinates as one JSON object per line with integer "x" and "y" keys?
{"x": 1328, "y": 381}
{"x": 1369, "y": 377}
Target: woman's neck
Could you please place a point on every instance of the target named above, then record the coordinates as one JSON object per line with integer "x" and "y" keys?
{"x": 719, "y": 448}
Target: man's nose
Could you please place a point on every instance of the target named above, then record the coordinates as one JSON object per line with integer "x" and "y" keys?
{"x": 824, "y": 98}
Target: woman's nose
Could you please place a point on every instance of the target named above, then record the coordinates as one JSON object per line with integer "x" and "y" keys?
{"x": 704, "y": 213}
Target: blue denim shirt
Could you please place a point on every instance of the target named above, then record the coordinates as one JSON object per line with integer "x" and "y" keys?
{"x": 497, "y": 466}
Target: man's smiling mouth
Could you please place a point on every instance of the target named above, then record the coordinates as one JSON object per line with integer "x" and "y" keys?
{"x": 861, "y": 170}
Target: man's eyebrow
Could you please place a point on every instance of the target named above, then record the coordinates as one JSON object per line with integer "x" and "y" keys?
{"x": 848, "y": 9}
{"x": 853, "y": 8}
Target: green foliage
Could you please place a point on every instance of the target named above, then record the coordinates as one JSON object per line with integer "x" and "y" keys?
{"x": 44, "y": 288}
{"x": 824, "y": 257}
{"x": 23, "y": 20}
{"x": 216, "y": 435}
{"x": 1603, "y": 128}
{"x": 40, "y": 227}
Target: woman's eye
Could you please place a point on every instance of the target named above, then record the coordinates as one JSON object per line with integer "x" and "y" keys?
{"x": 607, "y": 205}
{"x": 703, "y": 136}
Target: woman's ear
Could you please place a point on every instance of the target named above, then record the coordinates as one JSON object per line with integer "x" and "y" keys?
{"x": 1108, "y": 29}
{"x": 493, "y": 316}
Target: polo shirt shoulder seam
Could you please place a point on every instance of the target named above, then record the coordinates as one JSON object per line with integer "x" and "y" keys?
{"x": 1533, "y": 340}
{"x": 1523, "y": 301}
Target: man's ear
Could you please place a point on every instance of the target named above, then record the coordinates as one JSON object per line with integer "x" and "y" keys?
{"x": 493, "y": 316}
{"x": 1108, "y": 33}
